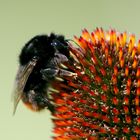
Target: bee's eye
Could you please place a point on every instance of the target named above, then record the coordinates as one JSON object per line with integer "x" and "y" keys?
{"x": 54, "y": 44}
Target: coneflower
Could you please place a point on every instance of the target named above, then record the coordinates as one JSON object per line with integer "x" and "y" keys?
{"x": 101, "y": 99}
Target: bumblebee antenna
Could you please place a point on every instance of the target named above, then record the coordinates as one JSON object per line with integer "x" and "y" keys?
{"x": 70, "y": 40}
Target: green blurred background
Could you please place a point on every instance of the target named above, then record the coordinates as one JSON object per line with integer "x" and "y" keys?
{"x": 21, "y": 20}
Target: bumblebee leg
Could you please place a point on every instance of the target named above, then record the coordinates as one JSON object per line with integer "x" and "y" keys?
{"x": 60, "y": 58}
{"x": 49, "y": 73}
{"x": 46, "y": 103}
{"x": 57, "y": 60}
{"x": 39, "y": 101}
{"x": 32, "y": 99}
{"x": 63, "y": 72}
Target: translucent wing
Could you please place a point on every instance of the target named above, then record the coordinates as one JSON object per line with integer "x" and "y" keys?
{"x": 21, "y": 79}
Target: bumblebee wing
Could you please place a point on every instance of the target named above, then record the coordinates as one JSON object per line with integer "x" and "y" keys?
{"x": 20, "y": 82}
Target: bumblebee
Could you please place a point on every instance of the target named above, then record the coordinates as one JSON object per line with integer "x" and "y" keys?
{"x": 38, "y": 65}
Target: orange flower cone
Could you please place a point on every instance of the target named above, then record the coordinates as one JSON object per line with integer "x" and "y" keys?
{"x": 101, "y": 100}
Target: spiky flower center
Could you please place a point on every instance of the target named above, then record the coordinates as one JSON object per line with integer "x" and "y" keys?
{"x": 102, "y": 101}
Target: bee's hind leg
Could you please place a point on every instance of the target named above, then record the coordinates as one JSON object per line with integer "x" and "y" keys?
{"x": 39, "y": 101}
{"x": 31, "y": 96}
{"x": 48, "y": 104}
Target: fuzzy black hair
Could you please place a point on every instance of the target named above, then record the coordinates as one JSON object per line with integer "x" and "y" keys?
{"x": 40, "y": 46}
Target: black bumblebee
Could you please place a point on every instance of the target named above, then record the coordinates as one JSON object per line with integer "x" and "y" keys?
{"x": 39, "y": 60}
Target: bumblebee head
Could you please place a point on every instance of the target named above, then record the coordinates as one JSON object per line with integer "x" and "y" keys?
{"x": 43, "y": 47}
